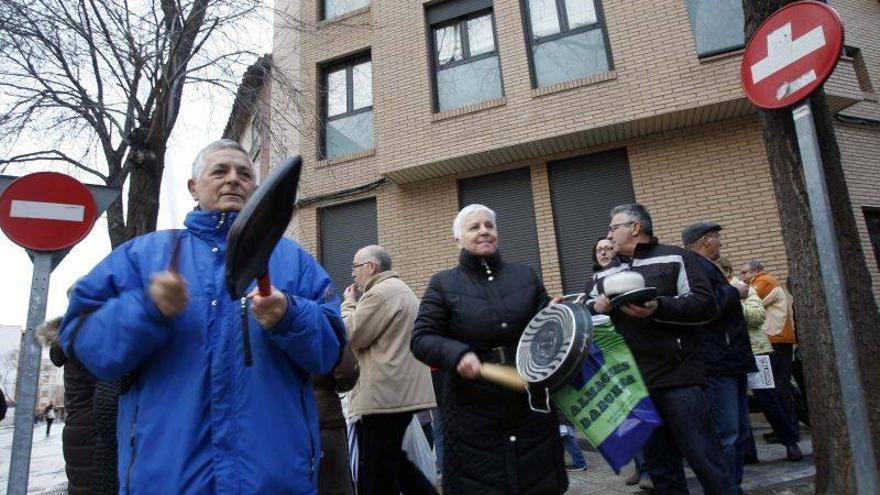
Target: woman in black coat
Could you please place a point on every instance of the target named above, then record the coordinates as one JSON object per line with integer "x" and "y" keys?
{"x": 474, "y": 313}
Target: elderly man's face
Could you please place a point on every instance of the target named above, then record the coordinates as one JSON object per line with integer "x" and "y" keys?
{"x": 363, "y": 267}
{"x": 747, "y": 274}
{"x": 712, "y": 241}
{"x": 226, "y": 182}
{"x": 479, "y": 236}
{"x": 621, "y": 232}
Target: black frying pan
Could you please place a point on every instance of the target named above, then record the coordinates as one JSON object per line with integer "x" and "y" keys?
{"x": 258, "y": 228}
{"x": 255, "y": 233}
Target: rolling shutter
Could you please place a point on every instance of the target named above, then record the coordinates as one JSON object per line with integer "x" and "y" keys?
{"x": 583, "y": 191}
{"x": 346, "y": 228}
{"x": 510, "y": 195}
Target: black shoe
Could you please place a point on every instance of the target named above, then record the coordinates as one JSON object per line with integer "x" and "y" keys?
{"x": 633, "y": 478}
{"x": 752, "y": 460}
{"x": 793, "y": 453}
{"x": 771, "y": 438}
{"x": 572, "y": 467}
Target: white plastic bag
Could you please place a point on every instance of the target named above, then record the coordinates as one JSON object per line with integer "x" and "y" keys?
{"x": 419, "y": 452}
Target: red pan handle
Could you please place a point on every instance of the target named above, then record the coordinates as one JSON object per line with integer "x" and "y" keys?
{"x": 264, "y": 285}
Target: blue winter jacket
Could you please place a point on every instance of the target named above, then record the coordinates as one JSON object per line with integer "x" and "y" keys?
{"x": 196, "y": 420}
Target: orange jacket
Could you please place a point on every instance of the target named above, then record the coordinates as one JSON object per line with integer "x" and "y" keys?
{"x": 779, "y": 325}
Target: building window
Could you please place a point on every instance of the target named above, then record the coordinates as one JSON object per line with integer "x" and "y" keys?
{"x": 872, "y": 218}
{"x": 465, "y": 57}
{"x": 567, "y": 40}
{"x": 335, "y": 8}
{"x": 348, "y": 108}
{"x": 717, "y": 25}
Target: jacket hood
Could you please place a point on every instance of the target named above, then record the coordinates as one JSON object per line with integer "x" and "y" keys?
{"x": 47, "y": 333}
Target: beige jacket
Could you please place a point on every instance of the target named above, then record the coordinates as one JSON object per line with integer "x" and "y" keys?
{"x": 380, "y": 328}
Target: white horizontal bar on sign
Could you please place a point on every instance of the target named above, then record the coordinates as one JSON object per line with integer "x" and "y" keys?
{"x": 47, "y": 211}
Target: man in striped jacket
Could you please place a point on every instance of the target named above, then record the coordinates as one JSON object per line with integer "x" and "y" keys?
{"x": 665, "y": 336}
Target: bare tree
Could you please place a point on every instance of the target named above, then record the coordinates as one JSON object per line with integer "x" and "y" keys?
{"x": 834, "y": 461}
{"x": 97, "y": 85}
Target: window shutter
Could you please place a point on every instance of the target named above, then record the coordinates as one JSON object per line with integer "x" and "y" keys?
{"x": 510, "y": 195}
{"x": 583, "y": 191}
{"x": 346, "y": 228}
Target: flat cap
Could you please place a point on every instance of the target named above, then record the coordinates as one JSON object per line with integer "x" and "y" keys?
{"x": 694, "y": 231}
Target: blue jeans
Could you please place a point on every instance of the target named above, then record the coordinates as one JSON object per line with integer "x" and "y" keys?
{"x": 437, "y": 427}
{"x": 728, "y": 402}
{"x": 687, "y": 432}
{"x": 574, "y": 450}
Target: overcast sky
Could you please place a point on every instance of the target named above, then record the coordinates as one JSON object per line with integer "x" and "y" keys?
{"x": 201, "y": 121}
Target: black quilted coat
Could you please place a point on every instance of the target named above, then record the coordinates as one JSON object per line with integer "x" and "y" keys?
{"x": 78, "y": 436}
{"x": 493, "y": 443}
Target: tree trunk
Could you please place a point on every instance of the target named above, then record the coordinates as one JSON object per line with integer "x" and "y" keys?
{"x": 145, "y": 182}
{"x": 833, "y": 456}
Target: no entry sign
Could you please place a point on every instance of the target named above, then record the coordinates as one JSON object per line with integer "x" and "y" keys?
{"x": 46, "y": 211}
{"x": 791, "y": 54}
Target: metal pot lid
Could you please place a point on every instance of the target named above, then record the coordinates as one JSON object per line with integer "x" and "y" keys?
{"x": 553, "y": 343}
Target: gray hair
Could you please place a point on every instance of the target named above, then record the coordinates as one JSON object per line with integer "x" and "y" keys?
{"x": 458, "y": 223}
{"x": 754, "y": 265}
{"x": 222, "y": 144}
{"x": 638, "y": 213}
{"x": 380, "y": 255}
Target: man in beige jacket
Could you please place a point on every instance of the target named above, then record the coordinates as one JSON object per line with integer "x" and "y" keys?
{"x": 379, "y": 311}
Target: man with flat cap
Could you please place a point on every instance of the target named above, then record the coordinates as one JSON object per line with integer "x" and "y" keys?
{"x": 726, "y": 350}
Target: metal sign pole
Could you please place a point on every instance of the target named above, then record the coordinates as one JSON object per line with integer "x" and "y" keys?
{"x": 26, "y": 393}
{"x": 836, "y": 301}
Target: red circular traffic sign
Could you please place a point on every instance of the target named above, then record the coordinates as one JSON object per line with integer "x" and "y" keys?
{"x": 46, "y": 211}
{"x": 791, "y": 54}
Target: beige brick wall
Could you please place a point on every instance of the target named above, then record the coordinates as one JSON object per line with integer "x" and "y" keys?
{"x": 716, "y": 171}
{"x": 860, "y": 152}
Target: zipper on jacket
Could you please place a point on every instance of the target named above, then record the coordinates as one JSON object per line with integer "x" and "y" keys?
{"x": 221, "y": 221}
{"x": 302, "y": 402}
{"x": 133, "y": 452}
{"x": 488, "y": 270}
{"x": 678, "y": 342}
{"x": 245, "y": 333}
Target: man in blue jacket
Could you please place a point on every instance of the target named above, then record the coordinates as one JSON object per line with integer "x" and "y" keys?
{"x": 726, "y": 350}
{"x": 195, "y": 419}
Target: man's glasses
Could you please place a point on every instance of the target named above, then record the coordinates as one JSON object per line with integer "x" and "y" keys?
{"x": 614, "y": 226}
{"x": 607, "y": 249}
{"x": 353, "y": 267}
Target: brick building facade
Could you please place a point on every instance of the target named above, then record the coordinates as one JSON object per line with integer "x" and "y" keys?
{"x": 665, "y": 98}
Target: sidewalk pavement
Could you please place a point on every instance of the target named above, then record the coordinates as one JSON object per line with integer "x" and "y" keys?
{"x": 47, "y": 459}
{"x": 47, "y": 465}
{"x": 771, "y": 471}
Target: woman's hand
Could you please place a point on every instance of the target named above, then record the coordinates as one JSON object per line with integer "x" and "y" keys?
{"x": 469, "y": 366}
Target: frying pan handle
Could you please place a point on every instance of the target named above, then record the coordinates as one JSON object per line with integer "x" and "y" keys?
{"x": 264, "y": 285}
{"x": 502, "y": 375}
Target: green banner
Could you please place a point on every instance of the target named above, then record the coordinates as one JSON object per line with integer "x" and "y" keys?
{"x": 608, "y": 387}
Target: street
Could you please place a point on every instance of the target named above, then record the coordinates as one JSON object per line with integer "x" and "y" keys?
{"x": 47, "y": 461}
{"x": 47, "y": 465}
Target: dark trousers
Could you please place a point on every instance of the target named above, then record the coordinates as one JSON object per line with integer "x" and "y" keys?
{"x": 687, "y": 432}
{"x": 383, "y": 468}
{"x": 729, "y": 405}
{"x": 48, "y": 425}
{"x": 334, "y": 475}
{"x": 782, "y": 361}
